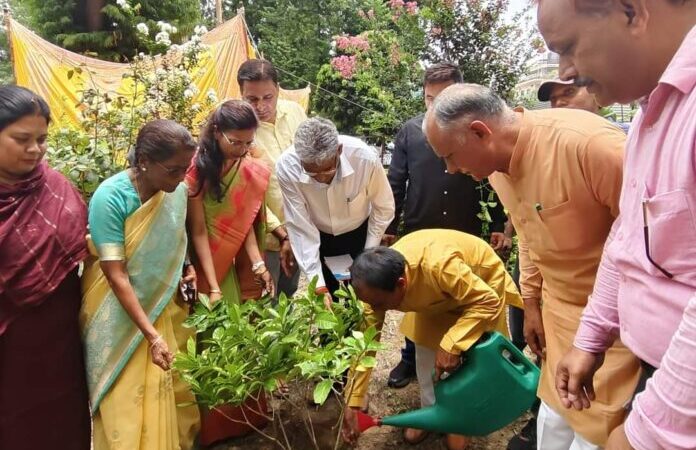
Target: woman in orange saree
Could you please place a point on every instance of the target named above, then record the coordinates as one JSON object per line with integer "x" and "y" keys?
{"x": 226, "y": 211}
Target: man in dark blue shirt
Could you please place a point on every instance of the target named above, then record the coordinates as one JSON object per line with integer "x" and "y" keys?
{"x": 429, "y": 197}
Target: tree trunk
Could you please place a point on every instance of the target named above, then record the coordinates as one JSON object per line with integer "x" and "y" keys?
{"x": 93, "y": 15}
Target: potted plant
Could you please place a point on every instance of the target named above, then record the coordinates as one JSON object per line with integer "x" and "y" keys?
{"x": 248, "y": 350}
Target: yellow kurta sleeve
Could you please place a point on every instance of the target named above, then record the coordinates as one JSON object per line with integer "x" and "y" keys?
{"x": 481, "y": 306}
{"x": 356, "y": 392}
{"x": 272, "y": 221}
{"x": 530, "y": 276}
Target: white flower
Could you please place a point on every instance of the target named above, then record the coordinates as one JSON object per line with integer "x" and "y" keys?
{"x": 163, "y": 38}
{"x": 173, "y": 29}
{"x": 142, "y": 28}
{"x": 123, "y": 4}
{"x": 188, "y": 93}
{"x": 212, "y": 96}
{"x": 167, "y": 28}
{"x": 195, "y": 107}
{"x": 200, "y": 29}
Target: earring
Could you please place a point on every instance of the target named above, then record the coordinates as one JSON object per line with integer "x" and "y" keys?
{"x": 143, "y": 169}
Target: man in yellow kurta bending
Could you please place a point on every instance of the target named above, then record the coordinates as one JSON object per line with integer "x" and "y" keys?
{"x": 456, "y": 288}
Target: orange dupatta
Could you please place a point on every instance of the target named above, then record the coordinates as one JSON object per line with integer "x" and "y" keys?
{"x": 229, "y": 221}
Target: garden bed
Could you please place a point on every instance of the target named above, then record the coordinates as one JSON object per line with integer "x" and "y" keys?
{"x": 383, "y": 401}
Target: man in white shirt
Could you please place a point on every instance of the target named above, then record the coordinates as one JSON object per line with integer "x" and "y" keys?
{"x": 336, "y": 197}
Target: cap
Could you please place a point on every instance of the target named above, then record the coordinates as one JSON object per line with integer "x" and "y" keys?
{"x": 544, "y": 92}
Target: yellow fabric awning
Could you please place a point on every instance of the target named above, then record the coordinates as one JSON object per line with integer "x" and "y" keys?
{"x": 50, "y": 71}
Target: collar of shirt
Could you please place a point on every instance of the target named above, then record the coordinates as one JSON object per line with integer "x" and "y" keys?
{"x": 345, "y": 169}
{"x": 522, "y": 142}
{"x": 680, "y": 75}
{"x": 281, "y": 112}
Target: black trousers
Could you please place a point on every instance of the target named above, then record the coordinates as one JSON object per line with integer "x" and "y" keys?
{"x": 351, "y": 243}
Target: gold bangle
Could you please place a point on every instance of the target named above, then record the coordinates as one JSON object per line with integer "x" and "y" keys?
{"x": 215, "y": 291}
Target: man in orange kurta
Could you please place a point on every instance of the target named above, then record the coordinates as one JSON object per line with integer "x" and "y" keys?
{"x": 558, "y": 172}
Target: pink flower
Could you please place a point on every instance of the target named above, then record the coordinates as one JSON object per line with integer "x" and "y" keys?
{"x": 396, "y": 4}
{"x": 355, "y": 43}
{"x": 362, "y": 14}
{"x": 412, "y": 8}
{"x": 371, "y": 14}
{"x": 436, "y": 31}
{"x": 344, "y": 65}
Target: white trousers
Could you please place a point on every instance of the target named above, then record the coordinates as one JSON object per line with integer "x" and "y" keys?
{"x": 554, "y": 433}
{"x": 425, "y": 363}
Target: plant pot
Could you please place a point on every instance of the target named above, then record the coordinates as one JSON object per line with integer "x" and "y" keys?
{"x": 227, "y": 421}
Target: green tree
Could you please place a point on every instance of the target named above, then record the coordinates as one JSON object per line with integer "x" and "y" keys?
{"x": 112, "y": 34}
{"x": 373, "y": 81}
{"x": 296, "y": 34}
{"x": 489, "y": 48}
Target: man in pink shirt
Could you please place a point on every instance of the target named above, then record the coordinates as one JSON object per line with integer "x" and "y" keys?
{"x": 645, "y": 291}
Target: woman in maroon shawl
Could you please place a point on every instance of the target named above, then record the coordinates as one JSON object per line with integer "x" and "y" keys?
{"x": 43, "y": 393}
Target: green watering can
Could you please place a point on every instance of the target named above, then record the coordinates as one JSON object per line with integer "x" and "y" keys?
{"x": 495, "y": 385}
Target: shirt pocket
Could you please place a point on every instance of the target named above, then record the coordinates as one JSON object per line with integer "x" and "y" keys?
{"x": 571, "y": 225}
{"x": 672, "y": 231}
{"x": 357, "y": 203}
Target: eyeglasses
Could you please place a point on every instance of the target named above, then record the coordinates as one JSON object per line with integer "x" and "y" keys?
{"x": 173, "y": 171}
{"x": 325, "y": 172}
{"x": 646, "y": 238}
{"x": 237, "y": 143}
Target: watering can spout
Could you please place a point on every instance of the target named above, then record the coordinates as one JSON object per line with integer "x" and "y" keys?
{"x": 424, "y": 419}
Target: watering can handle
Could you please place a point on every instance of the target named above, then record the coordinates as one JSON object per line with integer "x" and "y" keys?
{"x": 520, "y": 366}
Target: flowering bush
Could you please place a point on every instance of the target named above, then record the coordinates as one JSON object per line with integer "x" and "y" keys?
{"x": 162, "y": 87}
{"x": 377, "y": 71}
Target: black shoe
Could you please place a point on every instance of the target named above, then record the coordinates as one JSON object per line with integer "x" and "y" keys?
{"x": 401, "y": 375}
{"x": 526, "y": 438}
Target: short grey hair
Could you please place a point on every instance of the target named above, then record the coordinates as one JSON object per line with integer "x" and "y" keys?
{"x": 467, "y": 101}
{"x": 316, "y": 140}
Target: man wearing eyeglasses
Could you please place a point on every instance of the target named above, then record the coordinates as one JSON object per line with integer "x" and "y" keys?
{"x": 646, "y": 284}
{"x": 336, "y": 197}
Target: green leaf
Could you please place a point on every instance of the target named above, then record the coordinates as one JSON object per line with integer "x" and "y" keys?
{"x": 322, "y": 391}
{"x": 205, "y": 301}
{"x": 325, "y": 321}
{"x": 358, "y": 335}
{"x": 368, "y": 361}
{"x": 218, "y": 334}
{"x": 191, "y": 347}
{"x": 270, "y": 385}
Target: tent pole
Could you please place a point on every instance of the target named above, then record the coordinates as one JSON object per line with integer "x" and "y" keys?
{"x": 218, "y": 12}
{"x": 7, "y": 18}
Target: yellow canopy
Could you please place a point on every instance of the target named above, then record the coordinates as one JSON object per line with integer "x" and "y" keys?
{"x": 50, "y": 71}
